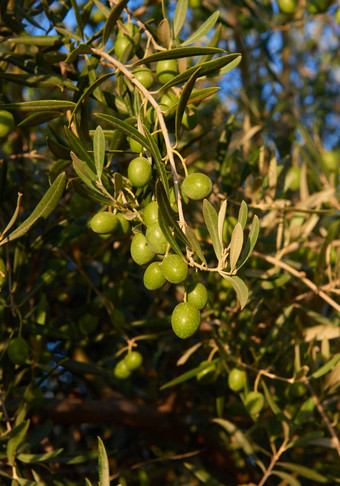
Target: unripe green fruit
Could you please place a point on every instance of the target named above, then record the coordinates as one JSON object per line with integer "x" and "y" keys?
{"x": 156, "y": 239}
{"x": 174, "y": 269}
{"x": 88, "y": 323}
{"x": 297, "y": 389}
{"x": 133, "y": 360}
{"x": 151, "y": 213}
{"x": 185, "y": 320}
{"x": 331, "y": 158}
{"x": 6, "y": 123}
{"x": 121, "y": 371}
{"x": 17, "y": 351}
{"x": 237, "y": 379}
{"x": 104, "y": 223}
{"x": 190, "y": 118}
{"x": 293, "y": 178}
{"x": 135, "y": 146}
{"x": 139, "y": 172}
{"x": 318, "y": 6}
{"x": 153, "y": 277}
{"x": 166, "y": 70}
{"x": 129, "y": 29}
{"x": 197, "y": 186}
{"x": 197, "y": 295}
{"x": 140, "y": 250}
{"x": 121, "y": 45}
{"x": 205, "y": 376}
{"x": 254, "y": 402}
{"x": 287, "y": 6}
{"x": 194, "y": 3}
{"x": 144, "y": 76}
{"x": 123, "y": 228}
{"x": 169, "y": 99}
{"x": 3, "y": 273}
{"x": 121, "y": 106}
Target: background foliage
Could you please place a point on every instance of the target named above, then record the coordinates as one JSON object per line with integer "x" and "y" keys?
{"x": 267, "y": 137}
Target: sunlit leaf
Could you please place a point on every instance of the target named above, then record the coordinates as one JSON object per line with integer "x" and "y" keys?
{"x": 179, "y": 16}
{"x": 179, "y": 52}
{"x": 188, "y": 374}
{"x": 243, "y": 214}
{"x": 99, "y": 150}
{"x": 112, "y": 19}
{"x": 16, "y": 439}
{"x": 250, "y": 241}
{"x": 304, "y": 471}
{"x": 44, "y": 208}
{"x": 103, "y": 464}
{"x": 239, "y": 286}
{"x": 164, "y": 33}
{"x": 290, "y": 480}
{"x": 239, "y": 439}
{"x": 203, "y": 29}
{"x": 194, "y": 243}
{"x": 221, "y": 219}
{"x": 33, "y": 458}
{"x": 185, "y": 95}
{"x": 326, "y": 367}
{"x": 40, "y": 105}
{"x": 235, "y": 245}
{"x": 211, "y": 220}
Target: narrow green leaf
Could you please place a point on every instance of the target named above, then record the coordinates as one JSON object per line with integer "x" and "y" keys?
{"x": 103, "y": 463}
{"x": 82, "y": 49}
{"x": 243, "y": 214}
{"x": 326, "y": 367}
{"x": 78, "y": 17}
{"x": 290, "y": 480}
{"x": 163, "y": 223}
{"x": 13, "y": 218}
{"x": 179, "y": 52}
{"x": 250, "y": 241}
{"x": 188, "y": 374}
{"x": 99, "y": 150}
{"x": 25, "y": 482}
{"x": 221, "y": 219}
{"x": 202, "y": 475}
{"x": 213, "y": 42}
{"x": 269, "y": 397}
{"x": 201, "y": 94}
{"x": 194, "y": 244}
{"x": 210, "y": 67}
{"x": 232, "y": 65}
{"x": 305, "y": 411}
{"x": 203, "y": 29}
{"x": 112, "y": 19}
{"x": 179, "y": 16}
{"x": 83, "y": 171}
{"x": 239, "y": 286}
{"x": 163, "y": 33}
{"x": 304, "y": 471}
{"x": 40, "y": 105}
{"x": 188, "y": 87}
{"x": 33, "y": 458}
{"x": 39, "y": 118}
{"x": 211, "y": 220}
{"x": 87, "y": 482}
{"x": 235, "y": 245}
{"x": 58, "y": 150}
{"x": 36, "y": 40}
{"x": 39, "y": 80}
{"x": 89, "y": 193}
{"x": 89, "y": 90}
{"x": 157, "y": 157}
{"x": 17, "y": 439}
{"x": 79, "y": 147}
{"x": 168, "y": 214}
{"x": 47, "y": 204}
{"x": 240, "y": 439}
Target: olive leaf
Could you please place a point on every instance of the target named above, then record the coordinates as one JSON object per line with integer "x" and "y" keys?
{"x": 189, "y": 374}
{"x": 235, "y": 245}
{"x": 44, "y": 208}
{"x": 40, "y": 105}
{"x": 168, "y": 214}
{"x": 179, "y": 17}
{"x": 112, "y": 19}
{"x": 179, "y": 52}
{"x": 243, "y": 214}
{"x": 203, "y": 29}
{"x": 187, "y": 89}
{"x": 221, "y": 219}
{"x": 211, "y": 220}
{"x": 103, "y": 465}
{"x": 99, "y": 150}
{"x": 163, "y": 33}
{"x": 250, "y": 241}
{"x": 194, "y": 243}
{"x": 239, "y": 286}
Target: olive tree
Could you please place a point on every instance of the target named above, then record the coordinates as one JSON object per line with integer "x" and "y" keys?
{"x": 169, "y": 246}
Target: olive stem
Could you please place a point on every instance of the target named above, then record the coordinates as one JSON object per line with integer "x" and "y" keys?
{"x": 160, "y": 117}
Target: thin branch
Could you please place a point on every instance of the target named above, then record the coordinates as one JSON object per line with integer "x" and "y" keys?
{"x": 301, "y": 276}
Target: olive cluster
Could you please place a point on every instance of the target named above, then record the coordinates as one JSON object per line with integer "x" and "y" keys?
{"x": 131, "y": 362}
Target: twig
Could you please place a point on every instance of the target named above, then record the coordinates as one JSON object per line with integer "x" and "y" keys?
{"x": 299, "y": 275}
